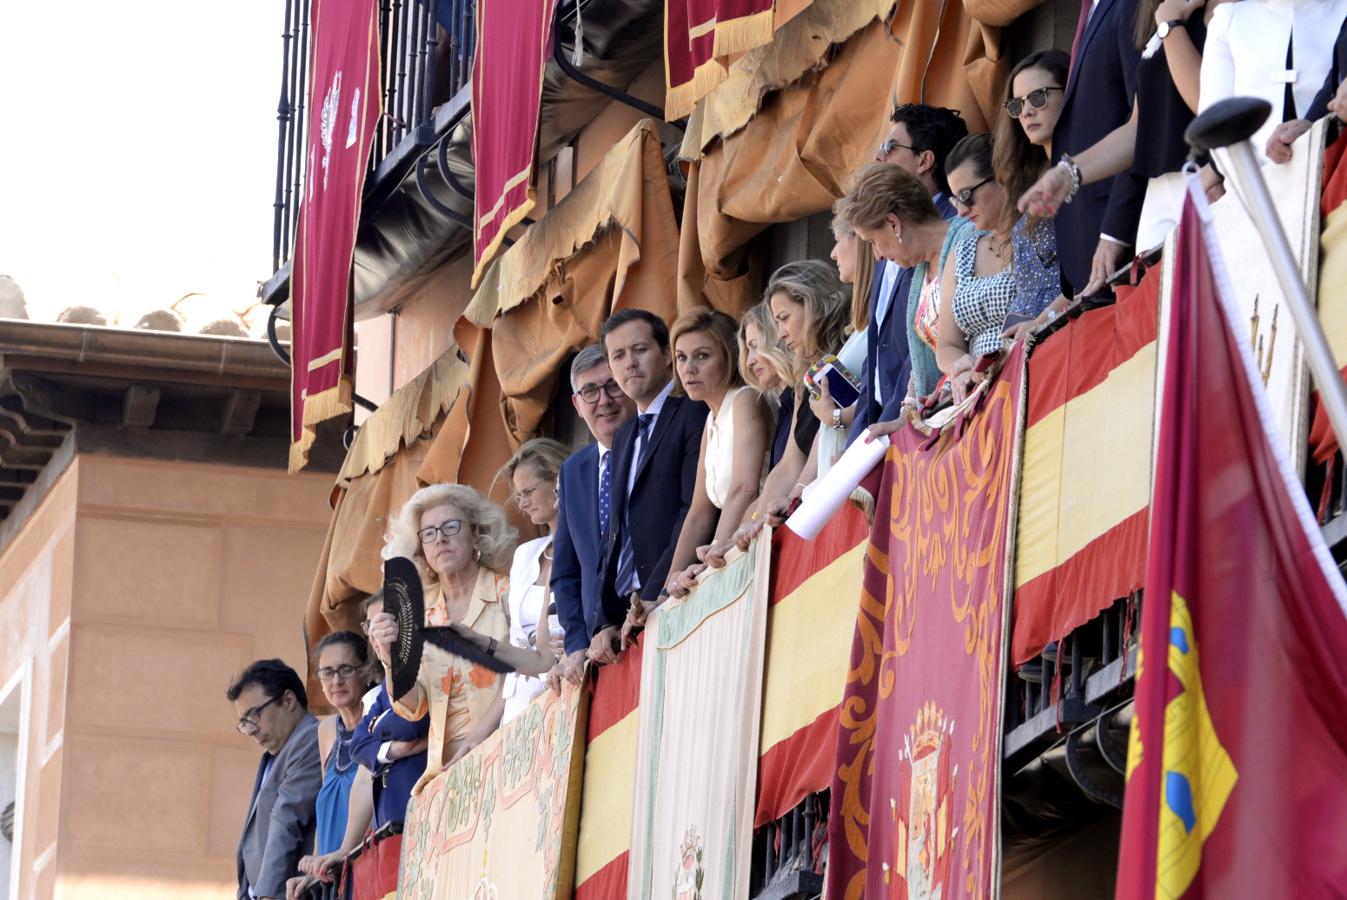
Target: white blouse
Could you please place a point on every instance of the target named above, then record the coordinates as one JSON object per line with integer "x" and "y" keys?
{"x": 720, "y": 449}
{"x": 527, "y": 601}
{"x": 1245, "y": 54}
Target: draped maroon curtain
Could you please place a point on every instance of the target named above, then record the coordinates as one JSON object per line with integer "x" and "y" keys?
{"x": 344, "y": 107}
{"x": 513, "y": 39}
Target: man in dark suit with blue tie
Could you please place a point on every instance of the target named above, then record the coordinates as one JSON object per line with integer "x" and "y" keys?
{"x": 1092, "y": 230}
{"x": 655, "y": 460}
{"x": 584, "y": 500}
{"x": 918, "y": 141}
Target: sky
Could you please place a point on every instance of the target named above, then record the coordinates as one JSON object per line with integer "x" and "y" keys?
{"x": 137, "y": 151}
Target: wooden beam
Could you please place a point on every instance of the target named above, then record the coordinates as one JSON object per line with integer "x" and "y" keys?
{"x": 139, "y": 405}
{"x": 45, "y": 398}
{"x": 240, "y": 412}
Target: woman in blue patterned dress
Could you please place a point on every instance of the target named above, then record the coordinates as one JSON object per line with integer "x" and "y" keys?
{"x": 1022, "y": 149}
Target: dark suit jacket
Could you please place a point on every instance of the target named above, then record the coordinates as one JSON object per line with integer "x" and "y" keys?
{"x": 1098, "y": 99}
{"x": 1336, "y": 72}
{"x": 280, "y": 822}
{"x": 886, "y": 347}
{"x": 393, "y": 781}
{"x": 577, "y": 548}
{"x": 659, "y": 499}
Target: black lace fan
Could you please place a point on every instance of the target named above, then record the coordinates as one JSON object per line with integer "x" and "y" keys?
{"x": 404, "y": 598}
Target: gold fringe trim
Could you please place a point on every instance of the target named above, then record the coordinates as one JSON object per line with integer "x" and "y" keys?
{"x": 680, "y": 100}
{"x": 319, "y": 407}
{"x": 611, "y": 195}
{"x": 799, "y": 46}
{"x": 745, "y": 33}
{"x": 406, "y": 417}
{"x": 511, "y": 219}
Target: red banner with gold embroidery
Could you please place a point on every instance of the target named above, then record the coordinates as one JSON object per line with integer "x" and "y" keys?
{"x": 513, "y": 37}
{"x": 343, "y": 109}
{"x": 915, "y": 799}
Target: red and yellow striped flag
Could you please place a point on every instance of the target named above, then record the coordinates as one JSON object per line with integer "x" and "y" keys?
{"x": 1239, "y": 741}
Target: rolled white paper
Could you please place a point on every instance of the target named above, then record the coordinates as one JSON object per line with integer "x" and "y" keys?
{"x": 825, "y": 496}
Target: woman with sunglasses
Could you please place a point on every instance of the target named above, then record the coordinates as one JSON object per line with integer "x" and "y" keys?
{"x": 1035, "y": 93}
{"x": 1148, "y": 150}
{"x": 532, "y": 472}
{"x": 978, "y": 284}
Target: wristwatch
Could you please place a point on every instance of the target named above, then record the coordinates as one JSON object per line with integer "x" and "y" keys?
{"x": 837, "y": 417}
{"x": 1165, "y": 28}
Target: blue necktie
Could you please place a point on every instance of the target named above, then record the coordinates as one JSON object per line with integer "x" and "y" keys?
{"x": 605, "y": 493}
{"x": 626, "y": 557}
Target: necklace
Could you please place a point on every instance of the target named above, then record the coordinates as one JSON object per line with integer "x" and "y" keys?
{"x": 548, "y": 552}
{"x": 340, "y": 757}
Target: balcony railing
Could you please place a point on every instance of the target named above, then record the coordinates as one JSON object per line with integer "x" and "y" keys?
{"x": 425, "y": 57}
{"x": 789, "y": 853}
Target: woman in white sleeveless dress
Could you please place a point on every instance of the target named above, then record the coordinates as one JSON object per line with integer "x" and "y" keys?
{"x": 735, "y": 442}
{"x": 532, "y": 473}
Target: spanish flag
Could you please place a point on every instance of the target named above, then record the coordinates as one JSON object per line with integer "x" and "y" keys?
{"x": 1237, "y": 765}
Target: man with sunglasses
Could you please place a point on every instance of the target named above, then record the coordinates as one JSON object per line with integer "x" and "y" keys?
{"x": 272, "y": 709}
{"x": 1092, "y": 231}
{"x": 584, "y": 501}
{"x": 918, "y": 141}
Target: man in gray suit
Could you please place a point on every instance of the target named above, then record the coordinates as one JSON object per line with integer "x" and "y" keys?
{"x": 273, "y": 710}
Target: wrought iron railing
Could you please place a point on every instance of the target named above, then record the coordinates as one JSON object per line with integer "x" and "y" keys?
{"x": 789, "y": 853}
{"x": 425, "y": 55}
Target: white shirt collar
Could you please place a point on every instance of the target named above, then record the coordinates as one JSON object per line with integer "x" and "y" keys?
{"x": 658, "y": 403}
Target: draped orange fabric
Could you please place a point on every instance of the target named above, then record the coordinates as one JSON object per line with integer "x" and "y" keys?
{"x": 609, "y": 244}
{"x": 792, "y": 159}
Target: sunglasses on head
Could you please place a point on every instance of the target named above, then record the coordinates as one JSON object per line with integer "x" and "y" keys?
{"x": 1037, "y": 99}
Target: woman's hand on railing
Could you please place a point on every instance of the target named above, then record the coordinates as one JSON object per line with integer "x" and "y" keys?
{"x": 714, "y": 556}
{"x": 1338, "y": 105}
{"x": 746, "y": 533}
{"x": 298, "y": 888}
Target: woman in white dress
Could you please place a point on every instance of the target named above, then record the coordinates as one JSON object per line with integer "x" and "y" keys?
{"x": 735, "y": 441}
{"x": 532, "y": 472}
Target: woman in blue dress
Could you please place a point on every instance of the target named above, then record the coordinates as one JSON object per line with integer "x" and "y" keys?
{"x": 344, "y": 800}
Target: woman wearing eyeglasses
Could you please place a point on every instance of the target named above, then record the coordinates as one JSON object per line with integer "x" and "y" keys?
{"x": 1148, "y": 150}
{"x": 463, "y": 546}
{"x": 532, "y": 472}
{"x": 977, "y": 285}
{"x": 1022, "y": 148}
{"x": 342, "y": 660}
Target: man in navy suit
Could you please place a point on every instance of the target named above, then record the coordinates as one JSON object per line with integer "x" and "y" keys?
{"x": 584, "y": 499}
{"x": 1093, "y": 231}
{"x": 392, "y": 748}
{"x": 918, "y": 142}
{"x": 655, "y": 458}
